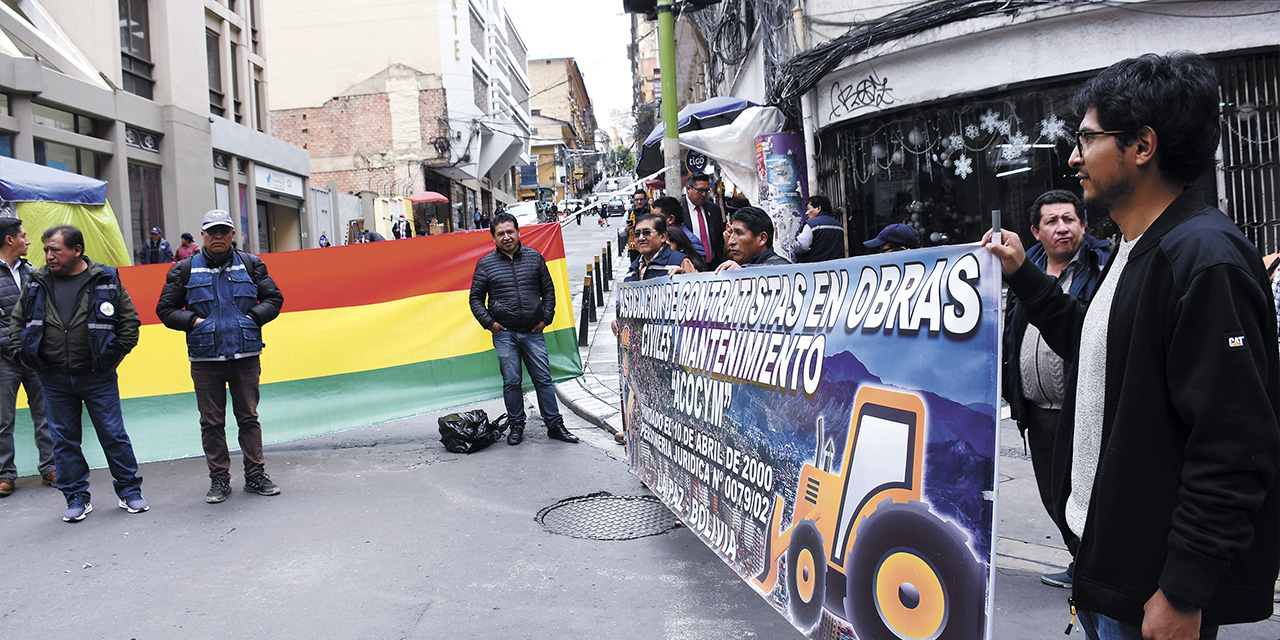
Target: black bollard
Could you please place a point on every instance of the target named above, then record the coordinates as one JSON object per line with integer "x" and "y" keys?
{"x": 609, "y": 247}
{"x": 586, "y": 314}
{"x": 589, "y": 298}
{"x": 608, "y": 269}
{"x": 599, "y": 283}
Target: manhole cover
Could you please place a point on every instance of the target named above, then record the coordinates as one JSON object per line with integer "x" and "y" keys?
{"x": 604, "y": 516}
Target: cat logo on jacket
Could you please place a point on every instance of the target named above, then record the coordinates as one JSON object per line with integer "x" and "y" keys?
{"x": 1235, "y": 342}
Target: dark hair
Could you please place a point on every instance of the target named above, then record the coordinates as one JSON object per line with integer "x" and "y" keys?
{"x": 641, "y": 192}
{"x": 71, "y": 236}
{"x": 1056, "y": 196}
{"x": 735, "y": 203}
{"x": 820, "y": 202}
{"x": 499, "y": 218}
{"x": 679, "y": 238}
{"x": 699, "y": 177}
{"x": 1175, "y": 95}
{"x": 9, "y": 227}
{"x": 668, "y": 206}
{"x": 659, "y": 222}
{"x": 755, "y": 220}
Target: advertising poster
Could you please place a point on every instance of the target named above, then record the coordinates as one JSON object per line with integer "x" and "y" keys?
{"x": 830, "y": 430}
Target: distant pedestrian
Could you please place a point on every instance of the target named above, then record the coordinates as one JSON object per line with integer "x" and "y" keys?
{"x": 74, "y": 324}
{"x": 221, "y": 298}
{"x": 822, "y": 237}
{"x": 894, "y": 237}
{"x": 186, "y": 248}
{"x": 14, "y": 275}
{"x": 157, "y": 249}
{"x": 512, "y": 295}
{"x": 400, "y": 229}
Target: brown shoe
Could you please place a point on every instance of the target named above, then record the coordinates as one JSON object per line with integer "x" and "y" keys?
{"x": 6, "y": 487}
{"x": 50, "y": 479}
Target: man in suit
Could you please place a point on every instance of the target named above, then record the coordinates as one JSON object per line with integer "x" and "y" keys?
{"x": 703, "y": 218}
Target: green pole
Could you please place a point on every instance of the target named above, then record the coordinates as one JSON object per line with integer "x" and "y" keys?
{"x": 670, "y": 112}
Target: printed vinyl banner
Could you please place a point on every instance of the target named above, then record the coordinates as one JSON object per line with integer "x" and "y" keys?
{"x": 369, "y": 333}
{"x": 830, "y": 430}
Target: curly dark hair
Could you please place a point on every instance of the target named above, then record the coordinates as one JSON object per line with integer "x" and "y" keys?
{"x": 1176, "y": 95}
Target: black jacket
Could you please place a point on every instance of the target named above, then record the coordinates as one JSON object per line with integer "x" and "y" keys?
{"x": 519, "y": 290}
{"x": 1093, "y": 257}
{"x": 715, "y": 227}
{"x": 10, "y": 292}
{"x": 1185, "y": 496}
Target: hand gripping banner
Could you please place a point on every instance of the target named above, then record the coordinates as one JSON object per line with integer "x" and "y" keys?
{"x": 830, "y": 430}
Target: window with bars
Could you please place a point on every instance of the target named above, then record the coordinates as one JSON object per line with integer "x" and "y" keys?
{"x": 1250, "y": 177}
{"x": 135, "y": 48}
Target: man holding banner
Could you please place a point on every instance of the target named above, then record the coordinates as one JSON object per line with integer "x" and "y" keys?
{"x": 1167, "y": 448}
{"x": 521, "y": 302}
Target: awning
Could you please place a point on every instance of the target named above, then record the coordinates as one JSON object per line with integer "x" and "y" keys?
{"x": 26, "y": 182}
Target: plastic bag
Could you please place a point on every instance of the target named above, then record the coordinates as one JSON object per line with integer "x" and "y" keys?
{"x": 470, "y": 431}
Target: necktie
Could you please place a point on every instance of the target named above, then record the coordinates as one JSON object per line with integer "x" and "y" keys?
{"x": 702, "y": 231}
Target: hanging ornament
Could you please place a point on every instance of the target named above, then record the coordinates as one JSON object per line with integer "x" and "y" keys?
{"x": 990, "y": 121}
{"x": 1053, "y": 129}
{"x": 964, "y": 166}
{"x": 877, "y": 151}
{"x": 971, "y": 131}
{"x": 1004, "y": 127}
{"x": 957, "y": 140}
{"x": 897, "y": 157}
{"x": 915, "y": 137}
{"x": 1018, "y": 145}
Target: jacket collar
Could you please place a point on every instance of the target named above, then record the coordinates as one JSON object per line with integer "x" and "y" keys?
{"x": 1183, "y": 207}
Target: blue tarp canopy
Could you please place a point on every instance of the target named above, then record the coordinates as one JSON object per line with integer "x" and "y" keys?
{"x": 26, "y": 182}
{"x": 715, "y": 112}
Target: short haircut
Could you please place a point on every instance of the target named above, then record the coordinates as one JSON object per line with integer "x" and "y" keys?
{"x": 820, "y": 202}
{"x": 668, "y": 206}
{"x": 1056, "y": 196}
{"x": 755, "y": 220}
{"x": 641, "y": 192}
{"x": 699, "y": 177}
{"x": 1176, "y": 95}
{"x": 9, "y": 227}
{"x": 659, "y": 222}
{"x": 499, "y": 218}
{"x": 71, "y": 236}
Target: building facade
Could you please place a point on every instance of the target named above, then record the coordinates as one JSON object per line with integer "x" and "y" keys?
{"x": 548, "y": 175}
{"x": 560, "y": 93}
{"x": 165, "y": 100}
{"x": 416, "y": 96}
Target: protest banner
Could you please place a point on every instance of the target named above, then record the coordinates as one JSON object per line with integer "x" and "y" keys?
{"x": 830, "y": 431}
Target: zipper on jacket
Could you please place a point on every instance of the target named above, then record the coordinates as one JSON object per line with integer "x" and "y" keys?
{"x": 1072, "y": 602}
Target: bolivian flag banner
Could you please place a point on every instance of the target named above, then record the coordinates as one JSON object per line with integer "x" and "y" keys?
{"x": 369, "y": 333}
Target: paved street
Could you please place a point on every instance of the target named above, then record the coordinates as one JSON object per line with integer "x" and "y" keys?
{"x": 381, "y": 533}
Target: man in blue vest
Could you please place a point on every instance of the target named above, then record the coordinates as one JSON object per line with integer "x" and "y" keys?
{"x": 221, "y": 297}
{"x": 73, "y": 324}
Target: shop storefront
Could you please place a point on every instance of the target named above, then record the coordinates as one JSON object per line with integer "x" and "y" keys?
{"x": 279, "y": 209}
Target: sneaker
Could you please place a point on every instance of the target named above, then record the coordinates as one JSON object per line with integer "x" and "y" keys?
{"x": 219, "y": 490}
{"x": 1062, "y": 579}
{"x": 261, "y": 485}
{"x": 134, "y": 504}
{"x": 77, "y": 508}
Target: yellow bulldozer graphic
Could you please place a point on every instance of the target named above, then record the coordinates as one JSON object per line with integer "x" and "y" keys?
{"x": 864, "y": 546}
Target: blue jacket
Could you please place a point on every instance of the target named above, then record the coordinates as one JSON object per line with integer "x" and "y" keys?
{"x": 101, "y": 330}
{"x": 826, "y": 239}
{"x": 233, "y": 299}
{"x": 666, "y": 257}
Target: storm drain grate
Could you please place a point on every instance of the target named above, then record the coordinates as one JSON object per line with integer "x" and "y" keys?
{"x": 604, "y": 516}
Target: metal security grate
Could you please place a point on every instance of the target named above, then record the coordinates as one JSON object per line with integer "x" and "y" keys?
{"x": 604, "y": 516}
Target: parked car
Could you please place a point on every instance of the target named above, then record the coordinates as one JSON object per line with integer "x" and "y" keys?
{"x": 617, "y": 204}
{"x": 526, "y": 213}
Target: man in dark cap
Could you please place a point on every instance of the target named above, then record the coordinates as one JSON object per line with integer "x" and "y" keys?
{"x": 157, "y": 249}
{"x": 895, "y": 237}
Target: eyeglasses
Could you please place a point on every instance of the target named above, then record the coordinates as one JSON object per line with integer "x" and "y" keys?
{"x": 1083, "y": 136}
{"x": 704, "y": 190}
{"x": 645, "y": 233}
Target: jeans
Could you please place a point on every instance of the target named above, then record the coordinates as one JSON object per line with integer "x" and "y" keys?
{"x": 12, "y": 376}
{"x": 1099, "y": 627}
{"x": 99, "y": 393}
{"x": 512, "y": 348}
{"x": 212, "y": 380}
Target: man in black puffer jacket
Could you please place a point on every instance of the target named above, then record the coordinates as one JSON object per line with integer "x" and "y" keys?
{"x": 521, "y": 303}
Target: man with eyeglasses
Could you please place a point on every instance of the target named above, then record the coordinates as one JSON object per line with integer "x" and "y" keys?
{"x": 220, "y": 298}
{"x": 703, "y": 218}
{"x": 1167, "y": 447}
{"x": 640, "y": 206}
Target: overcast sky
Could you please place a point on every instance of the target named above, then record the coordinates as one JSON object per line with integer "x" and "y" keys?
{"x": 595, "y": 33}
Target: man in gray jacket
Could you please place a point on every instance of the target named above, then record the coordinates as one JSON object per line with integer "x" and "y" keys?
{"x": 521, "y": 303}
{"x": 14, "y": 275}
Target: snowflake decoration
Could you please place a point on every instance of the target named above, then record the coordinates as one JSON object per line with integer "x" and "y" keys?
{"x": 1004, "y": 127}
{"x": 990, "y": 121}
{"x": 964, "y": 166}
{"x": 971, "y": 131}
{"x": 1053, "y": 129}
{"x": 1016, "y": 147}
{"x": 956, "y": 141}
